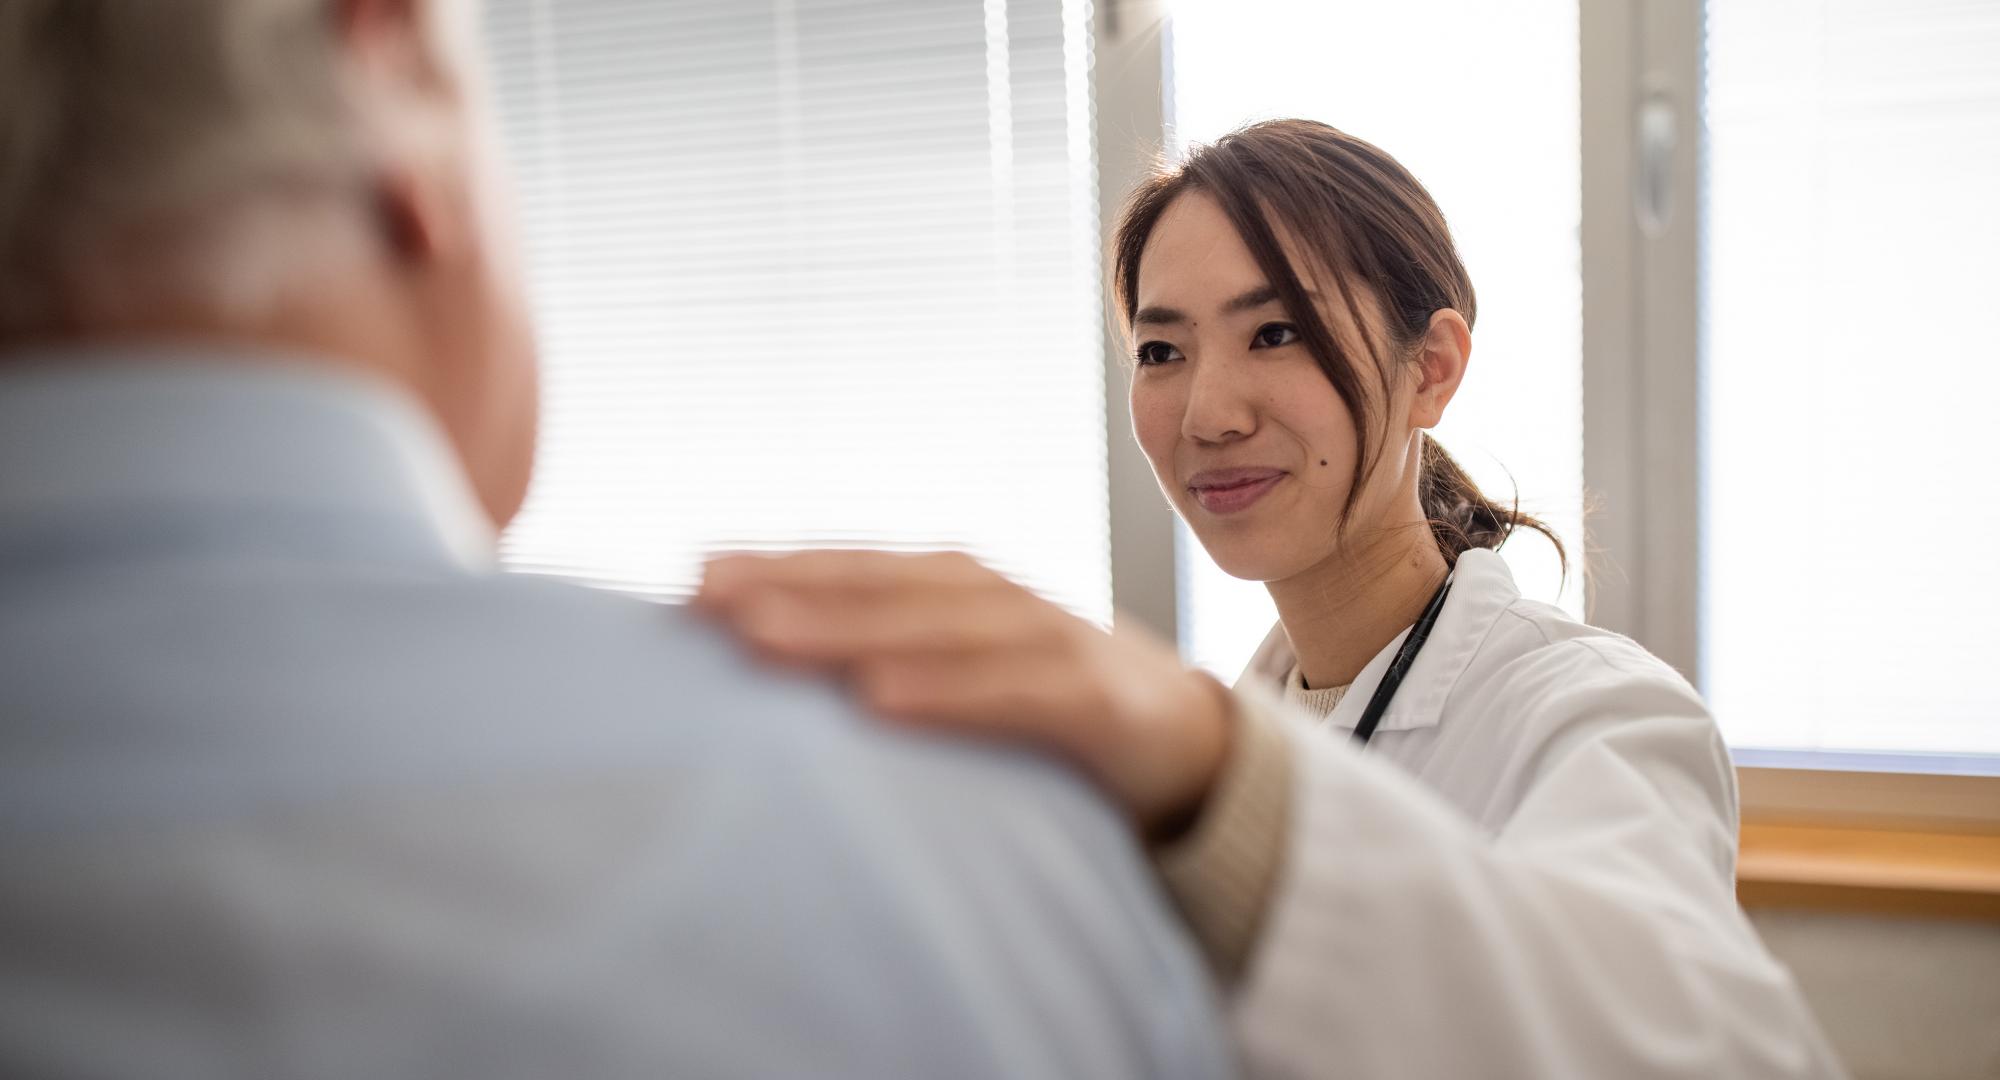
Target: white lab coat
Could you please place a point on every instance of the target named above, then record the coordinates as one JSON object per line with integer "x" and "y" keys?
{"x": 1528, "y": 872}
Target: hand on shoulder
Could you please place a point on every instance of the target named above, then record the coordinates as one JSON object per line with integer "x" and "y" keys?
{"x": 941, "y": 641}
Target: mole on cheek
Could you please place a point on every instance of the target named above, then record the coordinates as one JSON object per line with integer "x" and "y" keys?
{"x": 1322, "y": 461}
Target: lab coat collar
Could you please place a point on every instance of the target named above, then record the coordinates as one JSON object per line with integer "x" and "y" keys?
{"x": 1482, "y": 588}
{"x": 239, "y": 448}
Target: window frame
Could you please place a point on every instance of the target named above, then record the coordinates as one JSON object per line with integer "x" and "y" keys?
{"x": 1131, "y": 86}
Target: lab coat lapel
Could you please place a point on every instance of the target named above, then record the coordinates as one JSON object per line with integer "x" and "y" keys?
{"x": 1482, "y": 588}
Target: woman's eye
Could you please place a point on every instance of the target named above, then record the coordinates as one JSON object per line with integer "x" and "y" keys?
{"x": 1154, "y": 353}
{"x": 1273, "y": 335}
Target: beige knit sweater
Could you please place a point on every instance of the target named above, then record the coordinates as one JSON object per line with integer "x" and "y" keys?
{"x": 1223, "y": 870}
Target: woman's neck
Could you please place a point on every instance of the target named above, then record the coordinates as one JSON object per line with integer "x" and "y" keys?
{"x": 1343, "y": 611}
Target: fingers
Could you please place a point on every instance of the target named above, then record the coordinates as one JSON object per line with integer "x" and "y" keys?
{"x": 840, "y": 627}
{"x": 836, "y": 608}
{"x": 937, "y": 641}
{"x": 1003, "y": 695}
{"x": 726, "y": 578}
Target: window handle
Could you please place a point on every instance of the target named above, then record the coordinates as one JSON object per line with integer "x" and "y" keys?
{"x": 1658, "y": 132}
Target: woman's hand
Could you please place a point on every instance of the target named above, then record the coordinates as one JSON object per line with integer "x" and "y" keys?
{"x": 941, "y": 641}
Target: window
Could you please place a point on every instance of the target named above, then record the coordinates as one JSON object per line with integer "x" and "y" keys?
{"x": 1479, "y": 100}
{"x": 809, "y": 273}
{"x": 1852, "y": 226}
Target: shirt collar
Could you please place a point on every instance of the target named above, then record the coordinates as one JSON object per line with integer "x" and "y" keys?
{"x": 1482, "y": 587}
{"x": 88, "y": 434}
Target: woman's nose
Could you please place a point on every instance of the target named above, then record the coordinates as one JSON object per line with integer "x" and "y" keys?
{"x": 1218, "y": 408}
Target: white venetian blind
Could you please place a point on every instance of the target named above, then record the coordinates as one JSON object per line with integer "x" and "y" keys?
{"x": 1853, "y": 257}
{"x": 1480, "y": 101}
{"x": 809, "y": 272}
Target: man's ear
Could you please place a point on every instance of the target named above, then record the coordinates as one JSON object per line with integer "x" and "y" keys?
{"x": 397, "y": 66}
{"x": 1441, "y": 358}
{"x": 407, "y": 212}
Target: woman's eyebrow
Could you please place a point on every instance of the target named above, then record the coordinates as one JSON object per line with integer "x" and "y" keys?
{"x": 1246, "y": 301}
{"x": 1254, "y": 298}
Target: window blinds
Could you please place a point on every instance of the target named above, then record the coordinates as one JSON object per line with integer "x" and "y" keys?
{"x": 809, "y": 272}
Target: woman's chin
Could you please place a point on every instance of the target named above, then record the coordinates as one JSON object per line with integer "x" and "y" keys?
{"x": 1253, "y": 564}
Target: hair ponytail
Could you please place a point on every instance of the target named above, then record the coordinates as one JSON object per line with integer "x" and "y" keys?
{"x": 1461, "y": 516}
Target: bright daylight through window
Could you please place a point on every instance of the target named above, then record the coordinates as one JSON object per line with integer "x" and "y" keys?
{"x": 810, "y": 273}
{"x": 1851, "y": 235}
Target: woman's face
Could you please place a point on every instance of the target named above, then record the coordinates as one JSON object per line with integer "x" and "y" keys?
{"x": 1246, "y": 435}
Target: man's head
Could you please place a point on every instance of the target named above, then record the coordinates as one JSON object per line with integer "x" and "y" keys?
{"x": 314, "y": 176}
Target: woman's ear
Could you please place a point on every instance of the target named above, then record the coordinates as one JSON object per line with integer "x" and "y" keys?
{"x": 1441, "y": 358}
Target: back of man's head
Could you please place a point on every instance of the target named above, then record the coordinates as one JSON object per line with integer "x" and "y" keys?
{"x": 305, "y": 177}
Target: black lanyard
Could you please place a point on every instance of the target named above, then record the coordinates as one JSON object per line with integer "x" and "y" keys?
{"x": 1400, "y": 666}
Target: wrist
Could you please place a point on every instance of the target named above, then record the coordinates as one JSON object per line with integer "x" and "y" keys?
{"x": 1204, "y": 736}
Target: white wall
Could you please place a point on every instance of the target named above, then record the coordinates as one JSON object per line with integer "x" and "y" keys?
{"x": 1900, "y": 998}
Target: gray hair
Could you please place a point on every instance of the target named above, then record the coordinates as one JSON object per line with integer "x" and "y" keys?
{"x": 158, "y": 128}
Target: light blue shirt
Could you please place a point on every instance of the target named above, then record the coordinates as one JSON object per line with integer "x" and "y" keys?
{"x": 294, "y": 785}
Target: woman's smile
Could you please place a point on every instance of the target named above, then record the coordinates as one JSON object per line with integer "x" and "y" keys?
{"x": 1229, "y": 491}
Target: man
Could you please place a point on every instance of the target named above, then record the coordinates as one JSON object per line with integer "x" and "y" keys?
{"x": 294, "y": 783}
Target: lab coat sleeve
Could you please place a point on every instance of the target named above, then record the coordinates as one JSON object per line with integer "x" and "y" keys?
{"x": 1595, "y": 934}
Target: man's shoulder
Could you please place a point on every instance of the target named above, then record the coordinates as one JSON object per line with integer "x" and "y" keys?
{"x": 240, "y": 681}
{"x": 660, "y": 665}
{"x": 557, "y": 771}
{"x": 546, "y": 629}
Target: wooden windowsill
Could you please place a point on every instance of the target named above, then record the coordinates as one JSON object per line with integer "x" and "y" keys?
{"x": 1876, "y": 870}
{"x": 1905, "y": 801}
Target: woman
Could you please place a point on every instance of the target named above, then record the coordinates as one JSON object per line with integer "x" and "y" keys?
{"x": 1437, "y": 829}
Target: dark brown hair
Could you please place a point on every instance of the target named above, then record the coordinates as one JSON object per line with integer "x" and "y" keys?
{"x": 1367, "y": 220}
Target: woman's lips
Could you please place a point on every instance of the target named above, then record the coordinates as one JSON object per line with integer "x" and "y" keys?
{"x": 1227, "y": 491}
